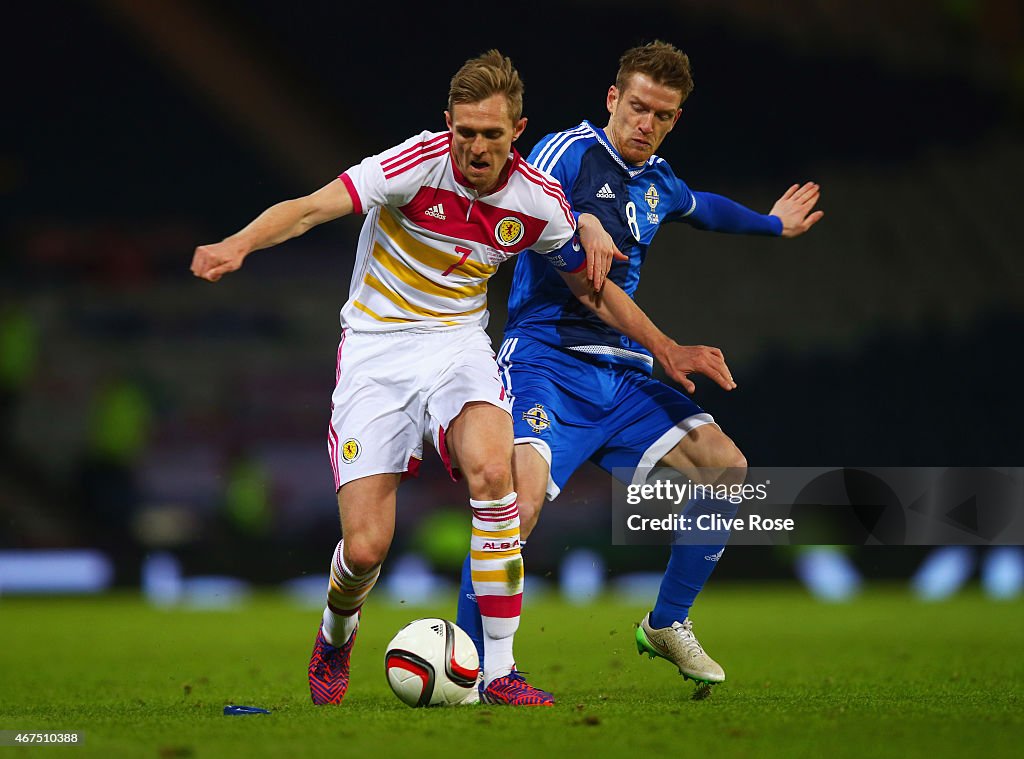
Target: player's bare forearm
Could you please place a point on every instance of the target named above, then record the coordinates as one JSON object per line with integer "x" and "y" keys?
{"x": 618, "y": 311}
{"x": 280, "y": 222}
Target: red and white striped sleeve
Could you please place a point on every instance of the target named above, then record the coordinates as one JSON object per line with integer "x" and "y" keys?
{"x": 390, "y": 178}
{"x": 561, "y": 226}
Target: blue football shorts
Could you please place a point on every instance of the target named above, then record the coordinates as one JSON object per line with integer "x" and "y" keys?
{"x": 574, "y": 409}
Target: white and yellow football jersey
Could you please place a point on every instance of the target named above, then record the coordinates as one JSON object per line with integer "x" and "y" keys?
{"x": 430, "y": 242}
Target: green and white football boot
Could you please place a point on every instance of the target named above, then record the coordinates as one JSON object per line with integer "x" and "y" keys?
{"x": 680, "y": 646}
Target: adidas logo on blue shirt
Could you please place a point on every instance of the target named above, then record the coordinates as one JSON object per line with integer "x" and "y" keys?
{"x": 605, "y": 192}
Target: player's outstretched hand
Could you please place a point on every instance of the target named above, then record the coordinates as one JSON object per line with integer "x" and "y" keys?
{"x": 211, "y": 262}
{"x": 796, "y": 209}
{"x": 681, "y": 360}
{"x": 600, "y": 249}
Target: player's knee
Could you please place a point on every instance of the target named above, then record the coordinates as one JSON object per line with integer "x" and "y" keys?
{"x": 721, "y": 462}
{"x": 734, "y": 463}
{"x": 489, "y": 479}
{"x": 362, "y": 555}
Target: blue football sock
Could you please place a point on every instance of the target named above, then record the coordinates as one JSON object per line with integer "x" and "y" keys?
{"x": 689, "y": 567}
{"x": 469, "y": 612}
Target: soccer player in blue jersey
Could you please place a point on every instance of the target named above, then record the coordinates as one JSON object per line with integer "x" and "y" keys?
{"x": 582, "y": 390}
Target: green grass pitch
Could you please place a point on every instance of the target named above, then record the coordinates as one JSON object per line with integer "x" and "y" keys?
{"x": 884, "y": 676}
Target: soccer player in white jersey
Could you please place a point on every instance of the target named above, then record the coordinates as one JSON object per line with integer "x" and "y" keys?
{"x": 443, "y": 210}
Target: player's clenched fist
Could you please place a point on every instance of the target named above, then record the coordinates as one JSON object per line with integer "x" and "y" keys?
{"x": 211, "y": 262}
{"x": 681, "y": 360}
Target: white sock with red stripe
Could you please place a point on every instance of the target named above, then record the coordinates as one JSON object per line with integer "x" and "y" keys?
{"x": 496, "y": 566}
{"x": 346, "y": 592}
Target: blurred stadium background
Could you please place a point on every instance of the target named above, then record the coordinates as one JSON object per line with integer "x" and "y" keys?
{"x": 175, "y": 426}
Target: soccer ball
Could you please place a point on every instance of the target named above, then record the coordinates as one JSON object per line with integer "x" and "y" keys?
{"x": 431, "y": 662}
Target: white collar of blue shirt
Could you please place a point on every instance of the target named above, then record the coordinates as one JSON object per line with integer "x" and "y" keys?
{"x": 633, "y": 171}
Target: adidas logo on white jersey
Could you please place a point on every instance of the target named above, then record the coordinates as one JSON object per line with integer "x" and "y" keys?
{"x": 605, "y": 192}
{"x": 436, "y": 211}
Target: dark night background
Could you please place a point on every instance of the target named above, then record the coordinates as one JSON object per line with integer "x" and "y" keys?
{"x": 143, "y": 409}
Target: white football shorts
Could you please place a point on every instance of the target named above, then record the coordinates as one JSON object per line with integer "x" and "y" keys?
{"x": 394, "y": 389}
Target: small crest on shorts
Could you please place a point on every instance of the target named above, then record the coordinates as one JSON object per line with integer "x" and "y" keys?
{"x": 509, "y": 231}
{"x": 350, "y": 450}
{"x": 537, "y": 418}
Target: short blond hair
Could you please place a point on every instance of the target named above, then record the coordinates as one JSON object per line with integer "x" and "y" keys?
{"x": 666, "y": 64}
{"x": 489, "y": 74}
